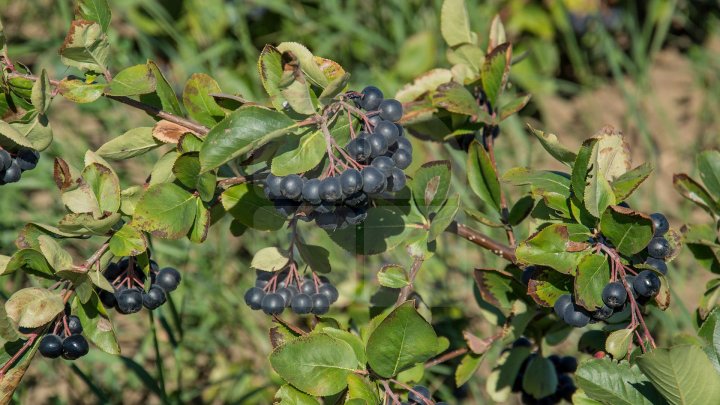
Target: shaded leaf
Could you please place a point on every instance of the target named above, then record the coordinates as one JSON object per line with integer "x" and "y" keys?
{"x": 34, "y": 307}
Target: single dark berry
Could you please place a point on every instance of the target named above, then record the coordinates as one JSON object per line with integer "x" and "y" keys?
{"x": 373, "y": 180}
{"x": 291, "y": 187}
{"x": 74, "y": 325}
{"x": 396, "y": 181}
{"x": 5, "y": 159}
{"x": 107, "y": 298}
{"x": 384, "y": 164}
{"x": 658, "y": 247}
{"x": 308, "y": 287}
{"x": 567, "y": 364}
{"x": 527, "y": 274}
{"x": 660, "y": 224}
{"x": 254, "y": 297}
{"x": 168, "y": 278}
{"x": 301, "y": 304}
{"x": 287, "y": 294}
{"x": 351, "y": 181}
{"x": 614, "y": 295}
{"x": 320, "y": 303}
{"x": 154, "y": 298}
{"x": 419, "y": 394}
{"x": 402, "y": 158}
{"x": 357, "y": 200}
{"x": 576, "y": 316}
{"x": 404, "y": 144}
{"x": 657, "y": 264}
{"x": 561, "y": 304}
{"x": 374, "y": 120}
{"x": 647, "y": 283}
{"x": 565, "y": 388}
{"x": 74, "y": 347}
{"x": 311, "y": 191}
{"x": 27, "y": 159}
{"x": 330, "y": 189}
{"x": 272, "y": 186}
{"x": 388, "y": 130}
{"x": 272, "y": 304}
{"x": 371, "y": 98}
{"x": 522, "y": 341}
{"x": 12, "y": 173}
{"x": 378, "y": 145}
{"x": 359, "y": 149}
{"x": 51, "y": 346}
{"x": 129, "y": 300}
{"x": 330, "y": 292}
{"x": 603, "y": 313}
{"x": 327, "y": 221}
{"x": 391, "y": 110}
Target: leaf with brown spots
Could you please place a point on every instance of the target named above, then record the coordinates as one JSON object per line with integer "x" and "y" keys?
{"x": 170, "y": 132}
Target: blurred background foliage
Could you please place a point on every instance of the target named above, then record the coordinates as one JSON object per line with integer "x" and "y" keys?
{"x": 651, "y": 68}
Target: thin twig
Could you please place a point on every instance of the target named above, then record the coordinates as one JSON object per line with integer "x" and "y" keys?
{"x": 405, "y": 291}
{"x": 504, "y": 251}
{"x": 445, "y": 357}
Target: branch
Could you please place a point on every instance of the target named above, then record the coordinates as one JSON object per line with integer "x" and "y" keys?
{"x": 504, "y": 251}
{"x": 504, "y": 212}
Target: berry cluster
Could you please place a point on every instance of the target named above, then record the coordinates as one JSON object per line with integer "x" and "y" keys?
{"x": 643, "y": 284}
{"x": 310, "y": 295}
{"x": 564, "y": 366}
{"x": 12, "y": 167}
{"x": 66, "y": 340}
{"x": 128, "y": 280}
{"x": 370, "y": 164}
{"x": 420, "y": 395}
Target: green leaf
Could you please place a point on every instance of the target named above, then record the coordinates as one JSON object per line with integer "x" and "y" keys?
{"x": 495, "y": 72}
{"x": 628, "y": 230}
{"x": 270, "y": 259}
{"x": 41, "y": 93}
{"x": 497, "y": 288}
{"x": 540, "y": 377}
{"x": 361, "y": 389}
{"x": 513, "y": 106}
{"x": 78, "y": 91}
{"x": 97, "y": 327}
{"x": 613, "y": 382}
{"x": 56, "y": 256}
{"x": 455, "y": 98}
{"x": 554, "y": 147}
{"x": 693, "y": 191}
{"x": 166, "y": 210}
{"x": 482, "y": 176}
{"x": 710, "y": 332}
{"x": 385, "y": 228}
{"x": 353, "y": 340}
{"x": 37, "y": 131}
{"x": 560, "y": 246}
{"x": 201, "y": 225}
{"x": 334, "y": 88}
{"x": 34, "y": 307}
{"x": 11, "y": 379}
{"x": 128, "y": 241}
{"x": 682, "y": 374}
{"x": 95, "y": 10}
{"x": 455, "y": 23}
{"x": 270, "y": 70}
{"x": 11, "y": 138}
{"x": 430, "y": 186}
{"x": 598, "y": 192}
{"x": 444, "y": 217}
{"x": 295, "y": 89}
{"x": 467, "y": 368}
{"x": 7, "y": 330}
{"x": 168, "y": 100}
{"x": 288, "y": 395}
{"x": 29, "y": 260}
{"x": 502, "y": 378}
{"x": 86, "y": 47}
{"x": 247, "y": 204}
{"x": 593, "y": 274}
{"x": 580, "y": 168}
{"x": 187, "y": 171}
{"x": 134, "y": 142}
{"x": 317, "y": 364}
{"x": 708, "y": 164}
{"x": 104, "y": 185}
{"x": 308, "y": 153}
{"x": 162, "y": 171}
{"x": 624, "y": 185}
{"x": 548, "y": 286}
{"x": 317, "y": 257}
{"x": 401, "y": 340}
{"x": 132, "y": 81}
{"x": 618, "y": 342}
{"x": 85, "y": 223}
{"x": 552, "y": 187}
{"x": 244, "y": 130}
{"x": 393, "y": 276}
{"x": 201, "y": 106}
{"x": 309, "y": 65}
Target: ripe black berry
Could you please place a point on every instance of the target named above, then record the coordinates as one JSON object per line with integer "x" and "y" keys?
{"x": 371, "y": 98}
{"x": 359, "y": 149}
{"x": 129, "y": 300}
{"x": 12, "y": 173}
{"x": 287, "y": 293}
{"x": 107, "y": 298}
{"x": 388, "y": 130}
{"x": 647, "y": 283}
{"x": 75, "y": 346}
{"x": 355, "y": 216}
{"x": 74, "y": 325}
{"x": 378, "y": 145}
{"x": 168, "y": 278}
{"x": 301, "y": 304}
{"x": 404, "y": 144}
{"x": 419, "y": 394}
{"x": 391, "y": 110}
{"x": 320, "y": 304}
{"x": 272, "y": 304}
{"x": 614, "y": 295}
{"x": 567, "y": 364}
{"x": 657, "y": 264}
{"x": 561, "y": 304}
{"x": 51, "y": 346}
{"x": 402, "y": 158}
{"x": 384, "y": 164}
{"x": 5, "y": 159}
{"x": 576, "y": 316}
{"x": 291, "y": 186}
{"x": 311, "y": 191}
{"x": 396, "y": 181}
{"x": 329, "y": 291}
{"x": 154, "y": 297}
{"x": 254, "y": 297}
{"x": 603, "y": 313}
{"x": 660, "y": 223}
{"x": 272, "y": 186}
{"x": 357, "y": 200}
{"x": 522, "y": 342}
{"x": 374, "y": 120}
{"x": 351, "y": 181}
{"x": 373, "y": 180}
{"x": 330, "y": 189}
{"x": 27, "y": 159}
{"x": 658, "y": 248}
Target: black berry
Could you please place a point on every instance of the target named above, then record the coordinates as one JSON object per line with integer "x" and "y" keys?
{"x": 373, "y": 180}
{"x": 5, "y": 159}
{"x": 657, "y": 264}
{"x": 402, "y": 158}
{"x": 576, "y": 316}
{"x": 330, "y": 189}
{"x": 12, "y": 173}
{"x": 351, "y": 181}
{"x": 388, "y": 130}
{"x": 660, "y": 223}
{"x": 74, "y": 325}
{"x": 561, "y": 304}
{"x": 272, "y": 304}
{"x": 168, "y": 278}
{"x": 291, "y": 187}
{"x": 154, "y": 298}
{"x": 384, "y": 164}
{"x": 614, "y": 295}
{"x": 371, "y": 98}
{"x": 272, "y": 186}
{"x": 603, "y": 313}
{"x": 27, "y": 159}
{"x": 74, "y": 347}
{"x": 51, "y": 346}
{"x": 320, "y": 304}
{"x": 129, "y": 300}
{"x": 647, "y": 283}
{"x": 287, "y": 294}
{"x": 658, "y": 248}
{"x": 301, "y": 304}
{"x": 329, "y": 291}
{"x": 419, "y": 394}
{"x": 359, "y": 149}
{"x": 391, "y": 110}
{"x": 311, "y": 191}
{"x": 378, "y": 145}
{"x": 396, "y": 181}
{"x": 254, "y": 297}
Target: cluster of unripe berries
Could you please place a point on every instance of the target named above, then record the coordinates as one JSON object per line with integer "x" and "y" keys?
{"x": 67, "y": 342}
{"x": 420, "y": 395}
{"x": 12, "y": 167}
{"x": 564, "y": 366}
{"x": 643, "y": 286}
{"x": 128, "y": 281}
{"x": 376, "y": 158}
{"x": 313, "y": 296}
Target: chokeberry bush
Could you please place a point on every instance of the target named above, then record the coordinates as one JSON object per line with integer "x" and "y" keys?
{"x": 317, "y": 157}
